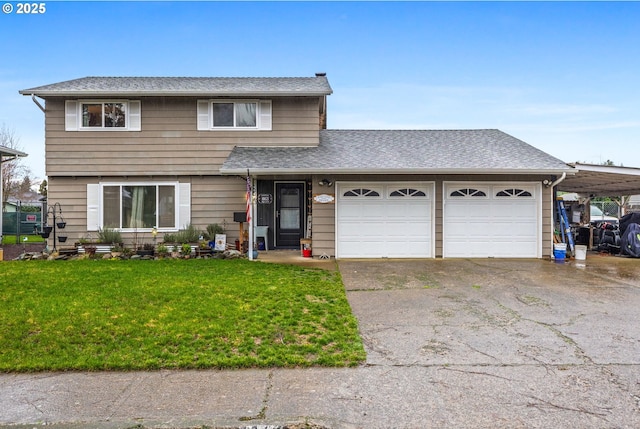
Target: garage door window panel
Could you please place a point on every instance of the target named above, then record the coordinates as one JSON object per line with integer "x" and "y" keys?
{"x": 514, "y": 192}
{"x": 361, "y": 192}
{"x": 407, "y": 192}
{"x": 468, "y": 192}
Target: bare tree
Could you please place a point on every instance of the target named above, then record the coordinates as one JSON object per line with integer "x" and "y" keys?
{"x": 13, "y": 172}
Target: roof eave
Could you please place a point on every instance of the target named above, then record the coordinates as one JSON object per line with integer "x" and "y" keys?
{"x": 290, "y": 171}
{"x": 7, "y": 151}
{"x": 45, "y": 94}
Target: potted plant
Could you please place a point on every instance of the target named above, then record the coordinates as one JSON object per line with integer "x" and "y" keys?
{"x": 146, "y": 250}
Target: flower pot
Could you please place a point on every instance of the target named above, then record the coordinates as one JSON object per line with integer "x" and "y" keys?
{"x": 47, "y": 229}
{"x": 62, "y": 238}
{"x": 61, "y": 225}
{"x": 45, "y": 234}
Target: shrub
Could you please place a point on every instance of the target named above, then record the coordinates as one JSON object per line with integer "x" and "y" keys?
{"x": 109, "y": 235}
{"x": 188, "y": 235}
{"x": 212, "y": 230}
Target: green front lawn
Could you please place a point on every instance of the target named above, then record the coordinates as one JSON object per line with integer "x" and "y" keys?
{"x": 126, "y": 315}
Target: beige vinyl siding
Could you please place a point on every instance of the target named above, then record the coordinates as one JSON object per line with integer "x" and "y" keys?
{"x": 169, "y": 142}
{"x": 213, "y": 200}
{"x": 323, "y": 222}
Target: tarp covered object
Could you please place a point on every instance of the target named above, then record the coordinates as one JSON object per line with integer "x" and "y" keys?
{"x": 630, "y": 241}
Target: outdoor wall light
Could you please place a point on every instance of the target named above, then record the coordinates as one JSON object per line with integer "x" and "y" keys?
{"x": 547, "y": 183}
{"x": 325, "y": 182}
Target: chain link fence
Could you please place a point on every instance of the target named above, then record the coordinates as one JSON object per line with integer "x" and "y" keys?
{"x": 609, "y": 208}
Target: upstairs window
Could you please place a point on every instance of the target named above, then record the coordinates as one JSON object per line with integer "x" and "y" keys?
{"x": 234, "y": 115}
{"x": 102, "y": 115}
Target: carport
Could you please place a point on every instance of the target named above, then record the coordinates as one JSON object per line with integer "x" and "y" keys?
{"x": 592, "y": 180}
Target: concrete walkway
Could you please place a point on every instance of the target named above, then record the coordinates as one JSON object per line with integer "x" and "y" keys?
{"x": 450, "y": 344}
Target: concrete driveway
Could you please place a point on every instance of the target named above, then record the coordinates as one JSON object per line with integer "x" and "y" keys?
{"x": 504, "y": 343}
{"x": 450, "y": 344}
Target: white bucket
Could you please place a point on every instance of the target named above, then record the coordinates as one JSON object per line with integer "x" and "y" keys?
{"x": 581, "y": 252}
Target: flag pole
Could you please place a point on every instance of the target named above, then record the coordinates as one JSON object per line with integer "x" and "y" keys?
{"x": 250, "y": 216}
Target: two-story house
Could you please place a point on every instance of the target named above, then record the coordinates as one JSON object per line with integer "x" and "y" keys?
{"x": 136, "y": 153}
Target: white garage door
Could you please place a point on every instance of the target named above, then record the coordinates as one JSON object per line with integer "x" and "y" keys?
{"x": 383, "y": 219}
{"x": 492, "y": 220}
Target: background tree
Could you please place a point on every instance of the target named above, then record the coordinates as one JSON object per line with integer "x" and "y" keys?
{"x": 42, "y": 190}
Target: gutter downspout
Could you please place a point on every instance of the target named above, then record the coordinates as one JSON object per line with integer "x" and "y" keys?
{"x": 33, "y": 97}
{"x": 564, "y": 176}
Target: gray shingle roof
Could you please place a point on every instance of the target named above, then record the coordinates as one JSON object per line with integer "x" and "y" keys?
{"x": 181, "y": 86}
{"x": 399, "y": 151}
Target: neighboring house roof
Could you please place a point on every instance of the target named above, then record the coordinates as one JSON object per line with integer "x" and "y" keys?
{"x": 399, "y": 151}
{"x": 7, "y": 151}
{"x": 185, "y": 86}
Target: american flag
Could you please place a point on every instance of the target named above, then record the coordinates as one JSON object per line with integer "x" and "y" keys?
{"x": 248, "y": 198}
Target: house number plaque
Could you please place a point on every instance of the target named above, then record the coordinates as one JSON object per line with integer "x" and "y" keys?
{"x": 324, "y": 198}
{"x": 265, "y": 198}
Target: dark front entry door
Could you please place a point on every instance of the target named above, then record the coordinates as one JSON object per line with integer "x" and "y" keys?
{"x": 289, "y": 214}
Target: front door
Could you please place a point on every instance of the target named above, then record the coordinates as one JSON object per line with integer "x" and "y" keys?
{"x": 289, "y": 214}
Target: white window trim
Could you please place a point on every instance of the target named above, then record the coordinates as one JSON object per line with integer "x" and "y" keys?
{"x": 95, "y": 203}
{"x": 73, "y": 115}
{"x": 264, "y": 115}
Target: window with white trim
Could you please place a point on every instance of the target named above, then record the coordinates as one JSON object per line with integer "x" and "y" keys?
{"x": 234, "y": 114}
{"x": 138, "y": 206}
{"x": 102, "y": 115}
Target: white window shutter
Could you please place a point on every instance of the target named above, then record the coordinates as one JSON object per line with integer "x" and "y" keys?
{"x": 135, "y": 117}
{"x": 265, "y": 115}
{"x": 93, "y": 207}
{"x": 184, "y": 201}
{"x": 203, "y": 115}
{"x": 71, "y": 115}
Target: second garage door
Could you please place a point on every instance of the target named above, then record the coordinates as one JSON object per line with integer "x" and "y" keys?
{"x": 492, "y": 220}
{"x": 384, "y": 219}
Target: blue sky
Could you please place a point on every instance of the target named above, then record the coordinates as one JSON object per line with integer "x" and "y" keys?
{"x": 562, "y": 76}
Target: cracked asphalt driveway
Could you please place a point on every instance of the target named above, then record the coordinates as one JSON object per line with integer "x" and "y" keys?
{"x": 506, "y": 343}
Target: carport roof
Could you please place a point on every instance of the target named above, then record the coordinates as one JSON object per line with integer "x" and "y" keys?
{"x": 487, "y": 151}
{"x": 602, "y": 180}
